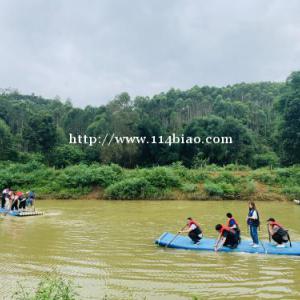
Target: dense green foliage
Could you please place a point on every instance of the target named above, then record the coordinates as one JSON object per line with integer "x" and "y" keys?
{"x": 172, "y": 182}
{"x": 256, "y": 115}
{"x": 290, "y": 106}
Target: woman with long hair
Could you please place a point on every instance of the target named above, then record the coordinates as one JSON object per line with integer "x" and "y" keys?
{"x": 253, "y": 223}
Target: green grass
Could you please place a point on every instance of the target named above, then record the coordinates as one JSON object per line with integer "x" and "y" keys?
{"x": 51, "y": 287}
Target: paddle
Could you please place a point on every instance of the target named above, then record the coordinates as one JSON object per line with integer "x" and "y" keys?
{"x": 173, "y": 239}
{"x": 288, "y": 235}
{"x": 263, "y": 246}
{"x": 269, "y": 233}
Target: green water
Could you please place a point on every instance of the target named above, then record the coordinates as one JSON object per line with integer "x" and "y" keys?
{"x": 107, "y": 248}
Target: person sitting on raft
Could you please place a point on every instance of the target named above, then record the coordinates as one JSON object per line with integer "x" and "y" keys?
{"x": 278, "y": 233}
{"x": 233, "y": 224}
{"x": 227, "y": 237}
{"x": 194, "y": 230}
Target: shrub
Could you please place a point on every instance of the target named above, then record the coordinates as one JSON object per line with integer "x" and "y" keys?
{"x": 162, "y": 178}
{"x": 25, "y": 157}
{"x": 179, "y": 169}
{"x": 249, "y": 187}
{"x": 189, "y": 188}
{"x": 233, "y": 167}
{"x": 266, "y": 159}
{"x": 227, "y": 177}
{"x": 229, "y": 191}
{"x": 132, "y": 188}
{"x": 292, "y": 191}
{"x": 66, "y": 155}
{"x": 49, "y": 288}
{"x": 197, "y": 175}
{"x": 264, "y": 176}
{"x": 84, "y": 175}
{"x": 213, "y": 189}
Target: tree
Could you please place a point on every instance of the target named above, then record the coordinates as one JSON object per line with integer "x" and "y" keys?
{"x": 66, "y": 155}
{"x": 7, "y": 151}
{"x": 41, "y": 135}
{"x": 290, "y": 136}
{"x": 240, "y": 151}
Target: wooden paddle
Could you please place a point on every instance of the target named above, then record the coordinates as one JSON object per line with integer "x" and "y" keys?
{"x": 269, "y": 233}
{"x": 173, "y": 239}
{"x": 262, "y": 243}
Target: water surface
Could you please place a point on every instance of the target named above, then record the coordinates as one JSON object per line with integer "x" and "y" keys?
{"x": 106, "y": 247}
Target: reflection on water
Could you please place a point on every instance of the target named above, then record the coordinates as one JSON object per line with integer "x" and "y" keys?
{"x": 107, "y": 248}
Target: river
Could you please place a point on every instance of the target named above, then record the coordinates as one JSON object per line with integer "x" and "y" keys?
{"x": 106, "y": 248}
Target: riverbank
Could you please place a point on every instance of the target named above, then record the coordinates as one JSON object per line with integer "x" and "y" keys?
{"x": 173, "y": 182}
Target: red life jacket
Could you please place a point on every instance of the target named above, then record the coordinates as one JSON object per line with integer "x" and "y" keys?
{"x": 227, "y": 224}
{"x": 192, "y": 222}
{"x": 227, "y": 229}
{"x": 275, "y": 224}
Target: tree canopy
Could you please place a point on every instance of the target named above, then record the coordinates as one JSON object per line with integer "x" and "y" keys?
{"x": 263, "y": 120}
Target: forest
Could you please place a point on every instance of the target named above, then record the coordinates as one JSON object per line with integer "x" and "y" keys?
{"x": 262, "y": 118}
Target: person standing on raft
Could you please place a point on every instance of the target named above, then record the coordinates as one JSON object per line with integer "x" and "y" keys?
{"x": 278, "y": 233}
{"x": 5, "y": 197}
{"x": 227, "y": 237}
{"x": 193, "y": 229}
{"x": 253, "y": 223}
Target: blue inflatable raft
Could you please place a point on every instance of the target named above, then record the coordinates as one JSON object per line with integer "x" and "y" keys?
{"x": 207, "y": 244}
{"x": 20, "y": 213}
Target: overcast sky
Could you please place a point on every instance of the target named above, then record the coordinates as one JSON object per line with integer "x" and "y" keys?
{"x": 92, "y": 50}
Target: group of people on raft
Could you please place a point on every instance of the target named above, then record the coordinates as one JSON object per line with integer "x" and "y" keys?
{"x": 15, "y": 200}
{"x": 230, "y": 234}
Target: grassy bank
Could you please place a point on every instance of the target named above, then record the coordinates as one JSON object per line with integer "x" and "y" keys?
{"x": 172, "y": 182}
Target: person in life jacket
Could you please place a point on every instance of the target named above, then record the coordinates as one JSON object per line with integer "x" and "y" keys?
{"x": 227, "y": 237}
{"x": 278, "y": 233}
{"x": 193, "y": 229}
{"x": 22, "y": 201}
{"x": 233, "y": 224}
{"x": 253, "y": 222}
{"x": 14, "y": 201}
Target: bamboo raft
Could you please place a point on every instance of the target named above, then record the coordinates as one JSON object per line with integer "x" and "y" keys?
{"x": 20, "y": 213}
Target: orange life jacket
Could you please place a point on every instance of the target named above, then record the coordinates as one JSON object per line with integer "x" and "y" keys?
{"x": 224, "y": 227}
{"x": 275, "y": 224}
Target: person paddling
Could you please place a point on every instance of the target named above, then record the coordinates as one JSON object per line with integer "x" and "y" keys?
{"x": 233, "y": 224}
{"x": 278, "y": 233}
{"x": 227, "y": 237}
{"x": 193, "y": 229}
{"x": 253, "y": 223}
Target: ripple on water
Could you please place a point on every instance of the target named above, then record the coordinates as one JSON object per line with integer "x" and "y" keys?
{"x": 109, "y": 249}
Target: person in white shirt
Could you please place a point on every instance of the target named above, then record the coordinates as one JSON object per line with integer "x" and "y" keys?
{"x": 5, "y": 196}
{"x": 253, "y": 223}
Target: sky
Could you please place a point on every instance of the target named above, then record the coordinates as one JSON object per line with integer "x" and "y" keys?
{"x": 91, "y": 51}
